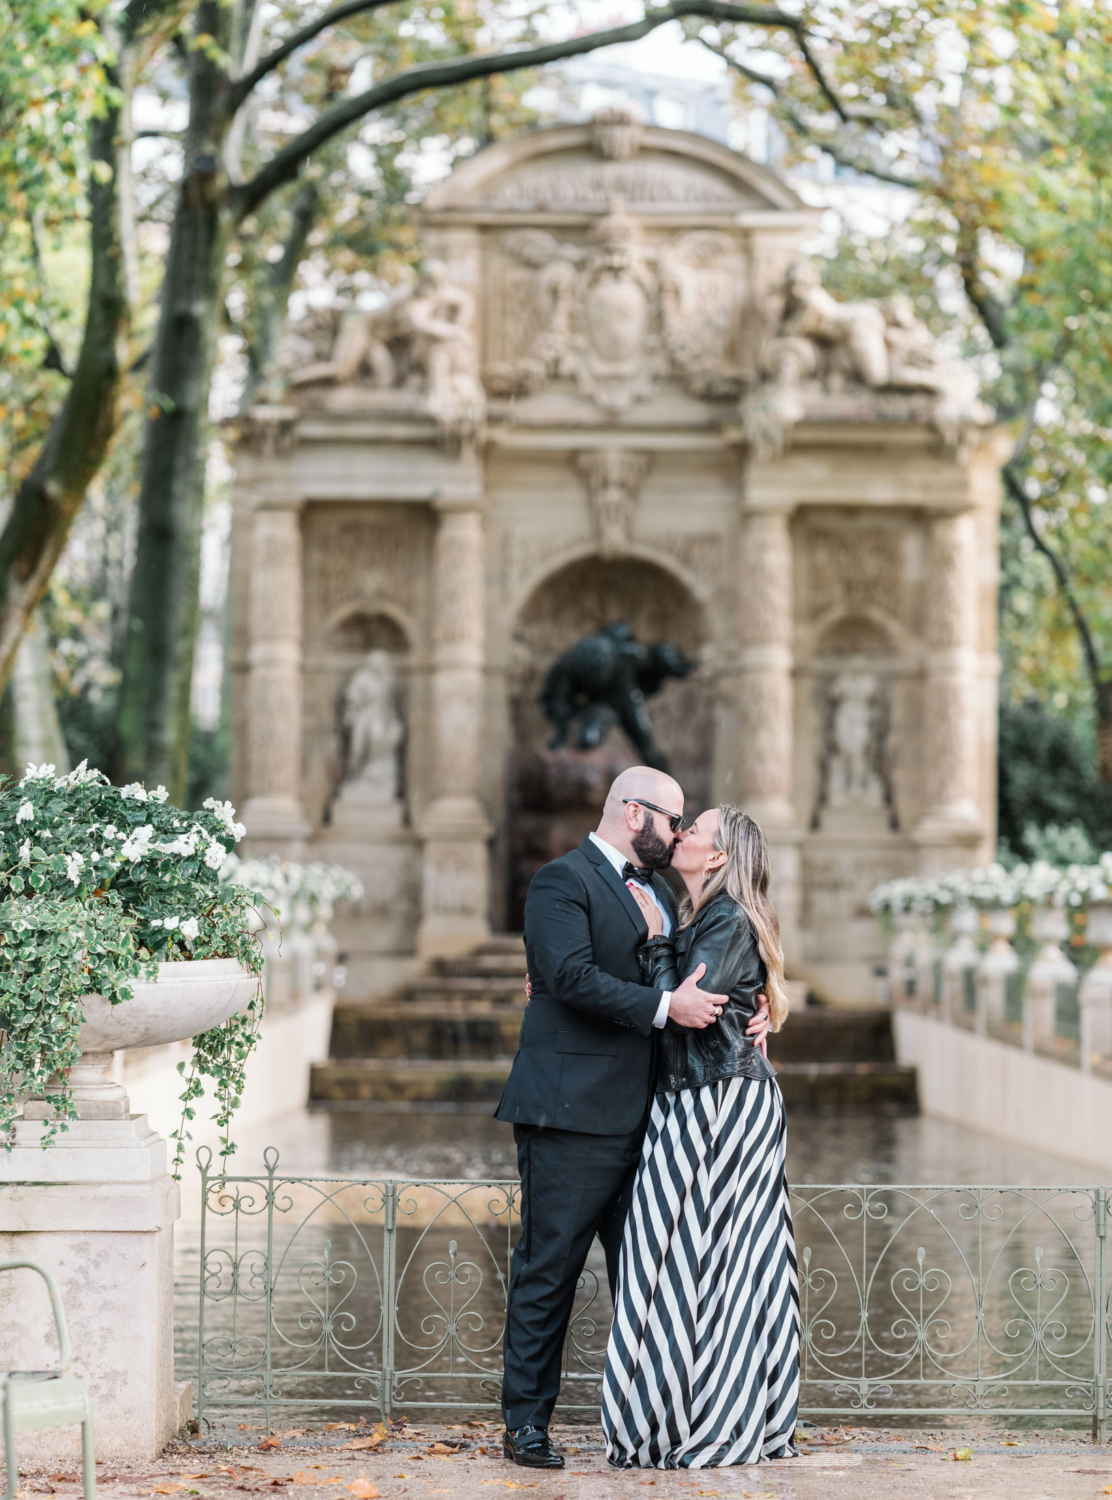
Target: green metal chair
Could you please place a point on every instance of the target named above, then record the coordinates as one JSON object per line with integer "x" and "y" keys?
{"x": 46, "y": 1398}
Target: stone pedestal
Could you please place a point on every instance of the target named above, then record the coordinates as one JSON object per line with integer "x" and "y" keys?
{"x": 98, "y": 1210}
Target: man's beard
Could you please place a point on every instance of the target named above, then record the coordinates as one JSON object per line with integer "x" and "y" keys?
{"x": 652, "y": 851}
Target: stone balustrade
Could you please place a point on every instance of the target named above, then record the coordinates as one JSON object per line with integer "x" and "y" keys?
{"x": 1023, "y": 956}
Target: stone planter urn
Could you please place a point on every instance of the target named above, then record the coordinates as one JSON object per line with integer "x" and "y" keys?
{"x": 187, "y": 998}
{"x": 1096, "y": 989}
{"x": 901, "y": 955}
{"x": 1000, "y": 961}
{"x": 961, "y": 955}
{"x": 1051, "y": 968}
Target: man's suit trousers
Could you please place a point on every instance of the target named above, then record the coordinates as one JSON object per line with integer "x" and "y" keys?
{"x": 573, "y": 1186}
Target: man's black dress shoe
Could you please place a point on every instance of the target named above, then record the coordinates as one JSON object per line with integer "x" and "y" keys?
{"x": 532, "y": 1448}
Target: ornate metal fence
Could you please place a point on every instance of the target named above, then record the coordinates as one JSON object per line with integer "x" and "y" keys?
{"x": 389, "y": 1295}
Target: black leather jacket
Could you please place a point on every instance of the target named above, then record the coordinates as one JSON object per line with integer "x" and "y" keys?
{"x": 722, "y": 937}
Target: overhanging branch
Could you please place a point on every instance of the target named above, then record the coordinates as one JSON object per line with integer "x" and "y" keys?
{"x": 286, "y": 163}
{"x": 274, "y": 59}
{"x": 1014, "y": 486}
{"x": 834, "y": 149}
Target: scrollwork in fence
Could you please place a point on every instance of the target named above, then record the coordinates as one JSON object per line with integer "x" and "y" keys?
{"x": 348, "y": 1293}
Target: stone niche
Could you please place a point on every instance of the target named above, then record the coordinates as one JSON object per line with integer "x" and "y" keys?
{"x": 615, "y": 392}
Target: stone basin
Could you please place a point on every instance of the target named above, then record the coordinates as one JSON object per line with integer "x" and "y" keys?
{"x": 187, "y": 998}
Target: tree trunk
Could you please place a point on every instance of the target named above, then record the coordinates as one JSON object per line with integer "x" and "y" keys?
{"x": 1104, "y": 729}
{"x": 274, "y": 295}
{"x": 154, "y": 719}
{"x": 78, "y": 441}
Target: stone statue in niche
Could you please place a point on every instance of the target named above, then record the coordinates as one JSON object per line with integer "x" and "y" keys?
{"x": 854, "y": 772}
{"x": 373, "y": 732}
{"x": 824, "y": 345}
{"x": 604, "y": 680}
{"x": 422, "y": 340}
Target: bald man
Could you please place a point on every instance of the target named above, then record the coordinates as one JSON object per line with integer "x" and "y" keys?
{"x": 579, "y": 1092}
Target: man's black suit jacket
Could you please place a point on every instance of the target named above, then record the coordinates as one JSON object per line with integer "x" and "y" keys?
{"x": 586, "y": 1052}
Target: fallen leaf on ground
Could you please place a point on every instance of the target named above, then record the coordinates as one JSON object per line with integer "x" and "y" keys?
{"x": 963, "y": 1455}
{"x": 274, "y": 1441}
{"x": 1107, "y": 1490}
{"x": 362, "y": 1488}
{"x": 168, "y": 1489}
{"x": 360, "y": 1444}
{"x": 340, "y": 1426}
{"x": 304, "y": 1477}
{"x": 444, "y": 1448}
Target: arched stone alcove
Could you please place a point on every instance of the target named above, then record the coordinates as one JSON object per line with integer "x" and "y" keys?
{"x": 555, "y": 796}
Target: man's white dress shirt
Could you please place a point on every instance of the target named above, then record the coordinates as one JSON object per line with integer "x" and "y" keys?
{"x": 619, "y": 861}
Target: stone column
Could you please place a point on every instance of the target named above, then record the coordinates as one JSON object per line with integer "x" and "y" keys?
{"x": 951, "y": 818}
{"x": 765, "y": 705}
{"x": 272, "y": 811}
{"x": 454, "y": 829}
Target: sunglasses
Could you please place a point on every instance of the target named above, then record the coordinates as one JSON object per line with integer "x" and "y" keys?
{"x": 675, "y": 820}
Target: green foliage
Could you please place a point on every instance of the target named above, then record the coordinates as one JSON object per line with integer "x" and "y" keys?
{"x": 97, "y": 885}
{"x": 52, "y": 82}
{"x": 997, "y": 116}
{"x": 1046, "y": 778}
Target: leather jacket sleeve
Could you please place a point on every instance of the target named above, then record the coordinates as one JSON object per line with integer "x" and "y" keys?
{"x": 726, "y": 945}
{"x": 722, "y": 937}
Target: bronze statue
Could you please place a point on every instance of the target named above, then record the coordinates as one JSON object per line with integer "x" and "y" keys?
{"x": 604, "y": 680}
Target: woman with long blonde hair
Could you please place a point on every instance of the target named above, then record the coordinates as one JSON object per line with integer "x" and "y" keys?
{"x": 703, "y": 1363}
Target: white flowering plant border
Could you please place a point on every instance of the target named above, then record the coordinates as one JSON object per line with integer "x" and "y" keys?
{"x": 300, "y": 894}
{"x": 98, "y": 884}
{"x": 992, "y": 887}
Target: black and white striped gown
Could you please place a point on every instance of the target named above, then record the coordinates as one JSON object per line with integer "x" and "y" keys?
{"x": 702, "y": 1367}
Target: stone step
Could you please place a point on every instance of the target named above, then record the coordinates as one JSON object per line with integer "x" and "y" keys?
{"x": 382, "y": 1080}
{"x": 483, "y": 965}
{"x": 819, "y": 1033}
{"x": 879, "y": 1088}
{"x": 500, "y": 990}
{"x": 823, "y": 1088}
{"x": 425, "y": 1029}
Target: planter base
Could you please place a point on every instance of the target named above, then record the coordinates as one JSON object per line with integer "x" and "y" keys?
{"x": 98, "y": 1210}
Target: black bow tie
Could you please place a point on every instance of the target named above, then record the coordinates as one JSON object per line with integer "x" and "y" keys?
{"x": 631, "y": 872}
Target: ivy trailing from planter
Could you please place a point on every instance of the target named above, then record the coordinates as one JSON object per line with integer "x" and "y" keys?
{"x": 98, "y": 885}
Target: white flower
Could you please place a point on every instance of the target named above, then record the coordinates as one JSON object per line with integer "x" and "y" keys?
{"x": 38, "y": 773}
{"x": 25, "y": 852}
{"x": 190, "y": 928}
{"x": 160, "y": 794}
{"x": 26, "y": 813}
{"x": 170, "y": 922}
{"x": 73, "y": 867}
{"x": 138, "y": 843}
{"x": 134, "y": 792}
{"x": 110, "y": 830}
{"x": 226, "y": 814}
{"x": 79, "y": 776}
{"x": 215, "y": 855}
{"x": 156, "y": 921}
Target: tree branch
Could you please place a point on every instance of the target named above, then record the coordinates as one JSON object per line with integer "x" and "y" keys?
{"x": 286, "y": 163}
{"x": 1016, "y": 490}
{"x": 258, "y": 71}
{"x": 992, "y": 312}
{"x": 836, "y": 151}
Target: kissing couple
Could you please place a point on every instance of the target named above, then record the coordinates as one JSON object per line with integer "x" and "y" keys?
{"x": 645, "y": 1111}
